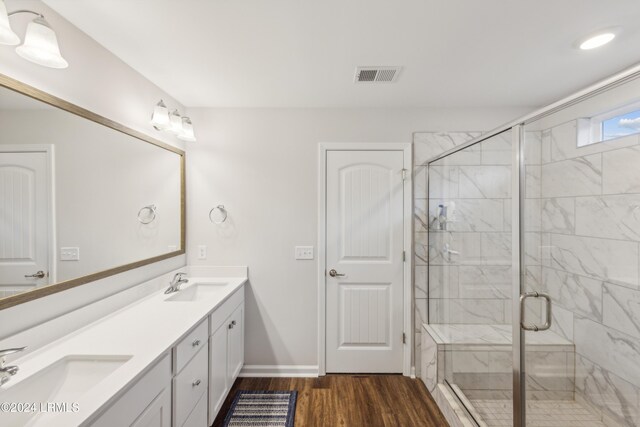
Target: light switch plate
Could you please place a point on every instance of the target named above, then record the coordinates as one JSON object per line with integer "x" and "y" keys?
{"x": 304, "y": 252}
{"x": 70, "y": 254}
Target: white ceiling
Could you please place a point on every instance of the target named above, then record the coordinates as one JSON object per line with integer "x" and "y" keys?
{"x": 303, "y": 53}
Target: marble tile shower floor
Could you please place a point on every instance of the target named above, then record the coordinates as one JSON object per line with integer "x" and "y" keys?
{"x": 541, "y": 413}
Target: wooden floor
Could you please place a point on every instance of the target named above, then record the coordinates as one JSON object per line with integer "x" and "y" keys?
{"x": 351, "y": 401}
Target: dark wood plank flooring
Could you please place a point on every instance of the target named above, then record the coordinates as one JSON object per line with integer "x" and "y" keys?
{"x": 351, "y": 401}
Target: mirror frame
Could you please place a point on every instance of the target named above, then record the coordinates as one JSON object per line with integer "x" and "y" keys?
{"x": 39, "y": 95}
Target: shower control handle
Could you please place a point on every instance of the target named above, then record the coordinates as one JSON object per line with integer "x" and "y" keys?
{"x": 533, "y": 327}
{"x": 334, "y": 273}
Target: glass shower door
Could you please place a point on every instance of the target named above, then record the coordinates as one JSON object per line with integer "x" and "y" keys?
{"x": 580, "y": 234}
{"x": 471, "y": 276}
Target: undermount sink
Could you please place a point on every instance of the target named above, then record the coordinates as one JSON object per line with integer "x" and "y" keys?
{"x": 64, "y": 381}
{"x": 197, "y": 291}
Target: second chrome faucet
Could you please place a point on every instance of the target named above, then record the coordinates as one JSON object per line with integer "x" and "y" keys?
{"x": 178, "y": 280}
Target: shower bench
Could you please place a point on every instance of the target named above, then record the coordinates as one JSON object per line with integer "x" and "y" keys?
{"x": 477, "y": 359}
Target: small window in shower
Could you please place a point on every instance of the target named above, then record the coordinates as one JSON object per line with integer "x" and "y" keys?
{"x": 619, "y": 123}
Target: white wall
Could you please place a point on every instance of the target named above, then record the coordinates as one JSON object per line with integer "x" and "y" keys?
{"x": 262, "y": 165}
{"x": 100, "y": 82}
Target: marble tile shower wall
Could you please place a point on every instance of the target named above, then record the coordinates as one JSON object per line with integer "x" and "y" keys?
{"x": 473, "y": 284}
{"x": 589, "y": 223}
{"x": 426, "y": 146}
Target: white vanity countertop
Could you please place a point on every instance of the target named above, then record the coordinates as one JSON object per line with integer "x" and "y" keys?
{"x": 145, "y": 330}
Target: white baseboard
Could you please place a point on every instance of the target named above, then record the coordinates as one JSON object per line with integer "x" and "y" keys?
{"x": 302, "y": 371}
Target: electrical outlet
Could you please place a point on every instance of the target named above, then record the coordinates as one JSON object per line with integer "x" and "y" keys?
{"x": 304, "y": 252}
{"x": 70, "y": 254}
{"x": 202, "y": 252}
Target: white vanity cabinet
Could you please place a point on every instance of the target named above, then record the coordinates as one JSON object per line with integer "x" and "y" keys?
{"x": 191, "y": 374}
{"x": 235, "y": 359}
{"x": 187, "y": 387}
{"x": 226, "y": 350}
{"x": 218, "y": 384}
{"x": 158, "y": 413}
{"x": 146, "y": 404}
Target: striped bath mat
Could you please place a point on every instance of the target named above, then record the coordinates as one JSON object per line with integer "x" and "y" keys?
{"x": 262, "y": 409}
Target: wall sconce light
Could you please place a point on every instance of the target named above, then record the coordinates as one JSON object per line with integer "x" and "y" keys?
{"x": 160, "y": 116}
{"x": 172, "y": 122}
{"x": 40, "y": 42}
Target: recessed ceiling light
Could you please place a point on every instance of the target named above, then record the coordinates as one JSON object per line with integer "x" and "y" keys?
{"x": 598, "y": 39}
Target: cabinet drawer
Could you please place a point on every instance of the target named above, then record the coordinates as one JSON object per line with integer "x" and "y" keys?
{"x": 221, "y": 313}
{"x": 189, "y": 346}
{"x": 198, "y": 418}
{"x": 190, "y": 385}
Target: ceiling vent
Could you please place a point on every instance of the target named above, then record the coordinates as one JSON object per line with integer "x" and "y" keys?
{"x": 377, "y": 74}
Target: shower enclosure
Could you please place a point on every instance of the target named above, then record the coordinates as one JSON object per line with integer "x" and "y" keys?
{"x": 534, "y": 257}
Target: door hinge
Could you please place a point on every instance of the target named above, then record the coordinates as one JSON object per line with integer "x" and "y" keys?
{"x": 404, "y": 256}
{"x": 404, "y": 338}
{"x": 404, "y": 174}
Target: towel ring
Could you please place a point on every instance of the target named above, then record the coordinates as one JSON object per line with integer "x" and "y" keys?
{"x": 149, "y": 216}
{"x": 218, "y": 215}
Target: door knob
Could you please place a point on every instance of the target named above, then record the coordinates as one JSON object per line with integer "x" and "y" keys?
{"x": 39, "y": 275}
{"x": 334, "y": 273}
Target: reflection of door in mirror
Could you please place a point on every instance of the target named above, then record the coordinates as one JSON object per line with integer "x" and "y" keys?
{"x": 24, "y": 220}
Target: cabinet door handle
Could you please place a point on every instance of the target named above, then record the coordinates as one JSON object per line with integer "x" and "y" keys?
{"x": 195, "y": 343}
{"x": 232, "y": 324}
{"x": 196, "y": 383}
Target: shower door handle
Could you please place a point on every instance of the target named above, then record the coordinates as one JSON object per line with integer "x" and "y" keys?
{"x": 534, "y": 327}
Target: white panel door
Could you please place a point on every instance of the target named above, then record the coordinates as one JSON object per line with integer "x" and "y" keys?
{"x": 24, "y": 234}
{"x": 364, "y": 211}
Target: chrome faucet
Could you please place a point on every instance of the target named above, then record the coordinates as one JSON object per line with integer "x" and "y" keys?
{"x": 178, "y": 280}
{"x": 6, "y": 372}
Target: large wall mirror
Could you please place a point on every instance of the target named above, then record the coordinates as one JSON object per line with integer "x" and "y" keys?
{"x": 81, "y": 197}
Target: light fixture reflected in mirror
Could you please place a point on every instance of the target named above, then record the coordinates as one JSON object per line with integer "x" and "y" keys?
{"x": 172, "y": 122}
{"x": 40, "y": 42}
{"x": 41, "y": 45}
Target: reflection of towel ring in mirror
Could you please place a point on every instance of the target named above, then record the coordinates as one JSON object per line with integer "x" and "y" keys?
{"x": 147, "y": 214}
{"x": 218, "y": 215}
